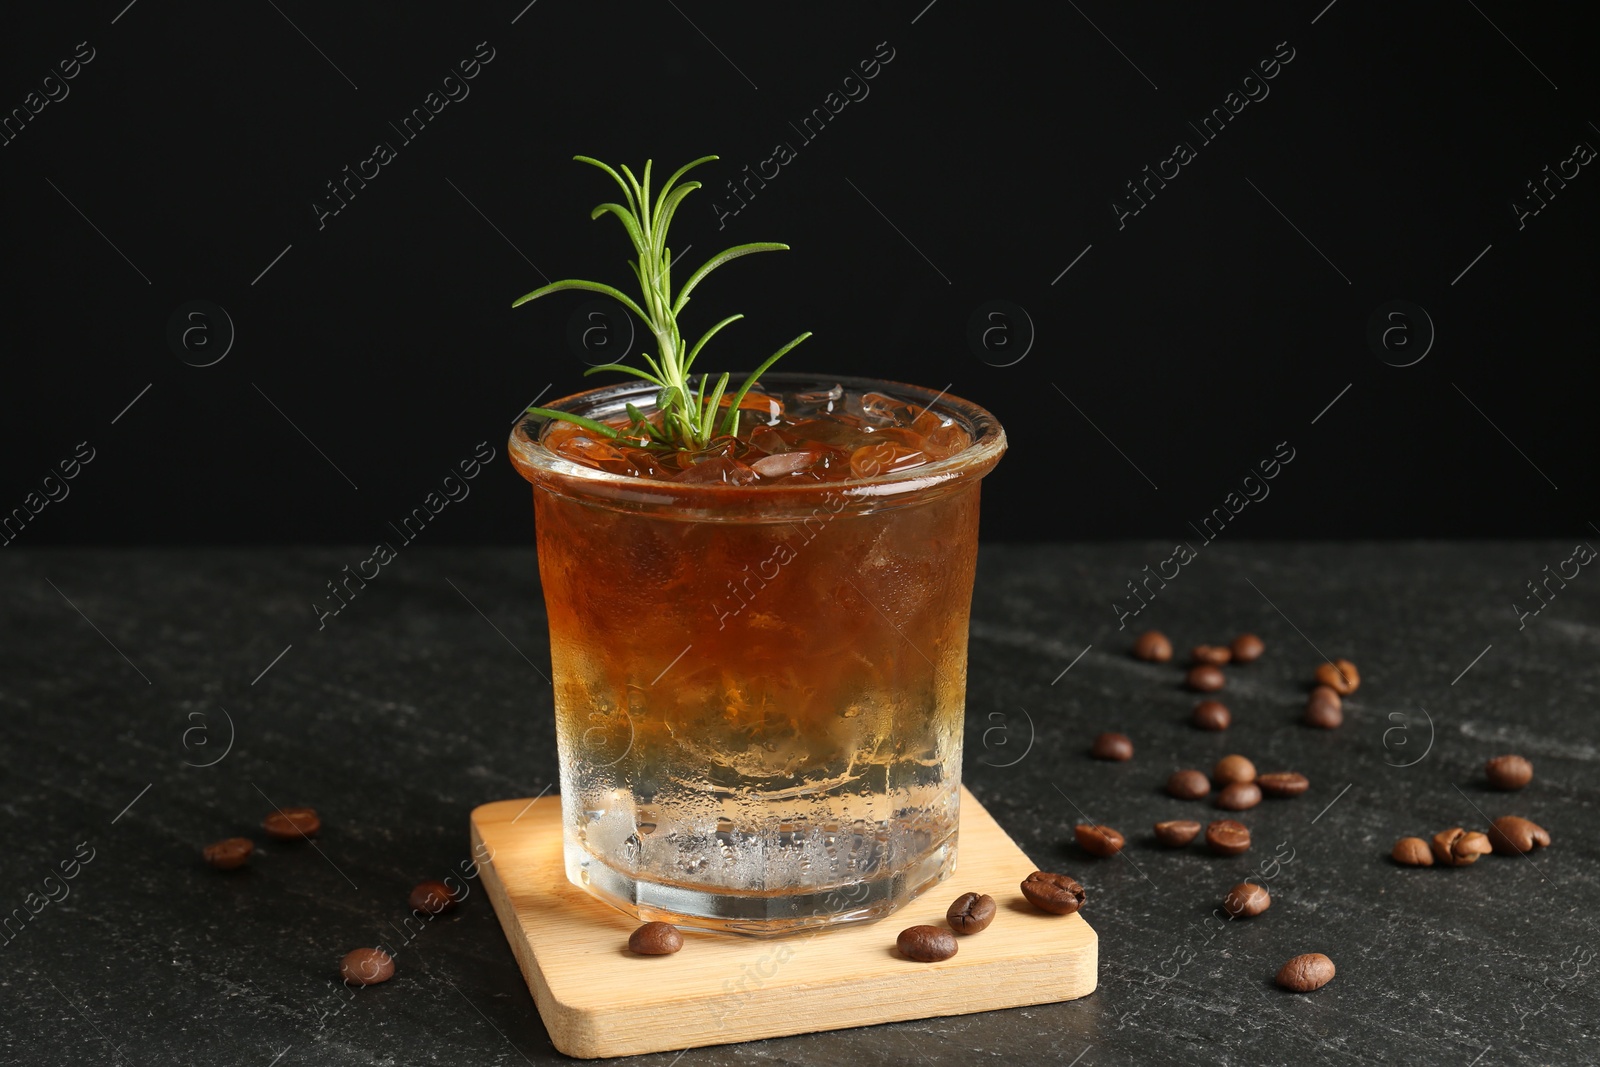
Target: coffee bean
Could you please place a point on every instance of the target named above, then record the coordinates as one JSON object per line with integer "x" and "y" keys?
{"x": 655, "y": 939}
{"x": 1508, "y": 772}
{"x": 1322, "y": 694}
{"x": 432, "y": 898}
{"x": 971, "y": 913}
{"x": 1247, "y": 648}
{"x": 1230, "y": 769}
{"x": 1305, "y": 973}
{"x": 366, "y": 966}
{"x": 291, "y": 824}
{"x": 1283, "y": 783}
{"x": 1239, "y": 796}
{"x": 1412, "y": 852}
{"x": 1456, "y": 847}
{"x": 1188, "y": 785}
{"x": 1205, "y": 679}
{"x": 1211, "y": 715}
{"x": 1246, "y": 900}
{"x": 1341, "y": 676}
{"x": 1058, "y": 894}
{"x": 926, "y": 944}
{"x": 1177, "y": 832}
{"x": 1511, "y": 835}
{"x": 229, "y": 853}
{"x": 1323, "y": 715}
{"x": 1215, "y": 655}
{"x": 1112, "y": 747}
{"x": 1098, "y": 840}
{"x": 1152, "y": 646}
{"x": 1228, "y": 838}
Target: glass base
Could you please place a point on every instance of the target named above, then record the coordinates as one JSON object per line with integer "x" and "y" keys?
{"x": 759, "y": 915}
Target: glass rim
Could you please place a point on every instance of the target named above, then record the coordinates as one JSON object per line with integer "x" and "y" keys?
{"x": 546, "y": 469}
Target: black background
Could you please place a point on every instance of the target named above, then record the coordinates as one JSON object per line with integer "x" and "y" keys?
{"x": 1190, "y": 342}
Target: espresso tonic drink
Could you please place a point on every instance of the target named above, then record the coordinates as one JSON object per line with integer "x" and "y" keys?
{"x": 759, "y": 650}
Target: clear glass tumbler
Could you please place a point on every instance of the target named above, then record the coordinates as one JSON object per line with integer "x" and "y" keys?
{"x": 760, "y": 689}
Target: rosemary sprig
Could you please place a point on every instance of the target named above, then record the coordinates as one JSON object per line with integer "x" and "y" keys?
{"x": 689, "y": 416}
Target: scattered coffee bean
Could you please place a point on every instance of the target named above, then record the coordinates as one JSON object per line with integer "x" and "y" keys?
{"x": 432, "y": 898}
{"x": 971, "y": 913}
{"x": 1511, "y": 835}
{"x": 1113, "y": 747}
{"x": 1239, "y": 796}
{"x": 1283, "y": 783}
{"x": 1322, "y": 694}
{"x": 1247, "y": 648}
{"x": 1215, "y": 655}
{"x": 657, "y": 939}
{"x": 229, "y": 853}
{"x": 1228, "y": 838}
{"x": 291, "y": 824}
{"x": 1058, "y": 894}
{"x": 1098, "y": 840}
{"x": 366, "y": 966}
{"x": 1456, "y": 847}
{"x": 1211, "y": 715}
{"x": 1188, "y": 785}
{"x": 1177, "y": 832}
{"x": 1412, "y": 852}
{"x": 1205, "y": 679}
{"x": 1341, "y": 676}
{"x": 1230, "y": 769}
{"x": 1246, "y": 900}
{"x": 1152, "y": 646}
{"x": 1508, "y": 772}
{"x": 1323, "y": 715}
{"x": 926, "y": 944}
{"x": 1305, "y": 973}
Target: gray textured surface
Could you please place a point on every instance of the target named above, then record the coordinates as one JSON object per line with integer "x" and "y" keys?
{"x": 410, "y": 708}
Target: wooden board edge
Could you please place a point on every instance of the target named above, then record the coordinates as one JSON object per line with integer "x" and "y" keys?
{"x": 872, "y": 1001}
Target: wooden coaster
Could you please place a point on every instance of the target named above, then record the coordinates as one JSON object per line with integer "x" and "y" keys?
{"x": 598, "y": 999}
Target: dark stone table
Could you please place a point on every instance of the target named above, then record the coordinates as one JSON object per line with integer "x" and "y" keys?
{"x": 125, "y": 672}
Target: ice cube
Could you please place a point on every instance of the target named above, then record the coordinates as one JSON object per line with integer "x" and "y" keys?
{"x": 886, "y": 410}
{"x": 769, "y": 441}
{"x": 945, "y": 441}
{"x": 719, "y": 469}
{"x": 886, "y": 457}
{"x": 816, "y": 402}
{"x": 786, "y": 463}
{"x": 759, "y": 405}
{"x": 584, "y": 449}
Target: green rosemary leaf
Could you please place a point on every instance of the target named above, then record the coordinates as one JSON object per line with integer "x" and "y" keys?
{"x": 710, "y": 411}
{"x": 666, "y": 209}
{"x": 593, "y": 287}
{"x": 718, "y": 260}
{"x": 614, "y": 177}
{"x": 625, "y": 369}
{"x": 638, "y": 191}
{"x": 708, "y": 335}
{"x": 629, "y": 223}
{"x": 656, "y": 225}
{"x": 733, "y": 412}
{"x": 567, "y": 416}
